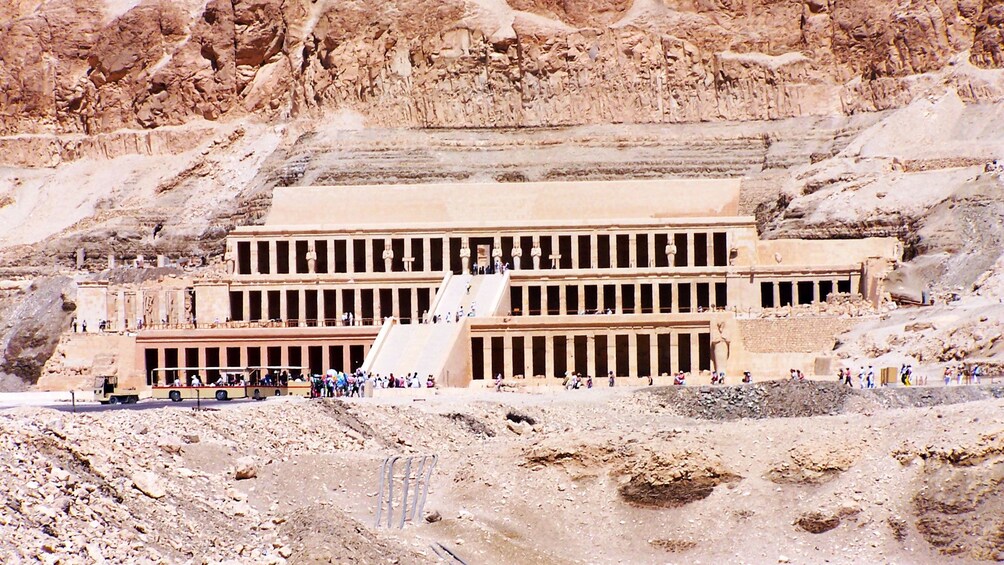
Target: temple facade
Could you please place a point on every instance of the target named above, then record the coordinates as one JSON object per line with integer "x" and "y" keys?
{"x": 468, "y": 281}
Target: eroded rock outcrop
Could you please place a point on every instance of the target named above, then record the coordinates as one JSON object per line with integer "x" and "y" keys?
{"x": 84, "y": 66}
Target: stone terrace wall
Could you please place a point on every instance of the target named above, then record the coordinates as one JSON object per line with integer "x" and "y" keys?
{"x": 785, "y": 335}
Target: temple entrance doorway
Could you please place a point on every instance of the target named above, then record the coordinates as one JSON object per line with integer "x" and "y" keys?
{"x": 484, "y": 255}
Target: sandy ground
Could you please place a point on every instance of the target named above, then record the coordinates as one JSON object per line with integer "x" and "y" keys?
{"x": 600, "y": 476}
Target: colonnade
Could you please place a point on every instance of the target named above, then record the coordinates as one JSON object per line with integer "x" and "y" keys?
{"x": 802, "y": 291}
{"x": 436, "y": 253}
{"x": 635, "y": 297}
{"x": 635, "y": 352}
{"x": 314, "y": 305}
{"x": 314, "y": 358}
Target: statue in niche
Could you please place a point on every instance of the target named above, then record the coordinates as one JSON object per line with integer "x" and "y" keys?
{"x": 230, "y": 257}
{"x": 190, "y": 306}
{"x": 149, "y": 303}
{"x": 671, "y": 254}
{"x": 535, "y": 253}
{"x": 721, "y": 341}
{"x": 311, "y": 258}
{"x": 517, "y": 254}
{"x": 465, "y": 253}
{"x": 388, "y": 257}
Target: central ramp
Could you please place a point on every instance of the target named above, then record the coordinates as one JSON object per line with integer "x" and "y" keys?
{"x": 440, "y": 349}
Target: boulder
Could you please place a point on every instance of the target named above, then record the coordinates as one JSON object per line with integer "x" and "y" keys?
{"x": 149, "y": 484}
{"x": 245, "y": 469}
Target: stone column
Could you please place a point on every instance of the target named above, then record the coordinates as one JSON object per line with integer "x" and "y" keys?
{"x": 690, "y": 249}
{"x": 321, "y": 303}
{"x": 350, "y": 259}
{"x": 591, "y": 355}
{"x": 653, "y": 354}
{"x": 282, "y": 304}
{"x": 581, "y": 306}
{"x": 815, "y": 292}
{"x": 283, "y": 356}
{"x": 416, "y": 316}
{"x": 693, "y": 296}
{"x": 570, "y": 353}
{"x": 651, "y": 255}
{"x": 301, "y": 311}
{"x": 395, "y": 301}
{"x": 273, "y": 260}
{"x": 562, "y": 300}
{"x": 711, "y": 249}
{"x": 695, "y": 361}
{"x": 575, "y": 251}
{"x": 612, "y": 353}
{"x": 507, "y": 367}
{"x": 487, "y": 358}
{"x": 426, "y": 254}
{"x": 775, "y": 287}
{"x": 633, "y": 250}
{"x": 331, "y": 255}
{"x": 264, "y": 303}
{"x": 613, "y": 250}
{"x": 526, "y": 301}
{"x": 549, "y": 356}
{"x": 527, "y": 356}
{"x": 619, "y": 299}
{"x": 346, "y": 358}
{"x": 637, "y": 298}
{"x": 245, "y": 306}
{"x": 656, "y": 302}
{"x": 370, "y": 265}
{"x": 674, "y": 352}
{"x": 160, "y": 377}
{"x": 633, "y": 354}
{"x": 254, "y": 258}
{"x": 446, "y": 252}
{"x": 593, "y": 253}
{"x": 377, "y": 310}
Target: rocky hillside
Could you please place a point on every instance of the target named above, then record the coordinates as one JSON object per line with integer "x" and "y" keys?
{"x": 91, "y": 66}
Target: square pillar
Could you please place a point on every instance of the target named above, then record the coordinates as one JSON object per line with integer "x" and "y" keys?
{"x": 507, "y": 356}
{"x": 487, "y": 358}
{"x": 656, "y": 303}
{"x": 301, "y": 312}
{"x": 446, "y": 253}
{"x": 651, "y": 254}
{"x": 690, "y": 249}
{"x": 273, "y": 257}
{"x": 693, "y": 296}
{"x": 581, "y": 307}
{"x": 633, "y": 250}
{"x": 611, "y": 354}
{"x": 695, "y": 361}
{"x": 548, "y": 356}
{"x": 591, "y": 355}
{"x": 570, "y": 353}
{"x": 562, "y": 300}
{"x": 633, "y": 354}
{"x": 637, "y": 298}
{"x": 246, "y": 306}
{"x": 395, "y": 302}
{"x": 526, "y": 301}
{"x": 575, "y": 251}
{"x": 653, "y": 354}
{"x": 619, "y": 298}
{"x": 370, "y": 265}
{"x": 593, "y": 253}
{"x": 815, "y": 292}
{"x": 776, "y": 288}
{"x": 357, "y": 307}
{"x": 350, "y": 261}
{"x": 674, "y": 353}
{"x": 613, "y": 250}
{"x": 426, "y": 254}
{"x": 331, "y": 255}
{"x": 254, "y": 257}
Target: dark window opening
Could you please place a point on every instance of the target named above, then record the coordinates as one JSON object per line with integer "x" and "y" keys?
{"x": 331, "y": 313}
{"x": 212, "y": 360}
{"x": 600, "y": 353}
{"x": 315, "y": 359}
{"x": 590, "y": 298}
{"x": 539, "y": 353}
{"x": 560, "y": 354}
{"x": 377, "y": 250}
{"x": 603, "y": 252}
{"x": 565, "y": 250}
{"x": 341, "y": 256}
{"x": 516, "y": 300}
{"x": 348, "y": 303}
{"x": 404, "y": 305}
{"x": 805, "y": 292}
{"x": 264, "y": 266}
{"x": 825, "y": 290}
{"x": 436, "y": 254}
{"x": 646, "y": 305}
{"x": 456, "y": 265}
{"x": 386, "y": 302}
{"x": 644, "y": 355}
{"x": 664, "y": 343}
{"x": 244, "y": 257}
{"x": 721, "y": 249}
{"x": 785, "y": 290}
{"x": 292, "y": 305}
{"x": 274, "y": 308}
{"x": 301, "y": 256}
{"x": 171, "y": 361}
{"x": 310, "y": 307}
{"x": 336, "y": 357}
{"x": 766, "y": 295}
{"x": 418, "y": 254}
{"x": 526, "y": 244}
{"x": 553, "y": 300}
{"x": 518, "y": 358}
{"x": 683, "y": 347}
{"x": 546, "y": 250}
{"x": 721, "y": 295}
{"x": 254, "y": 305}
{"x": 580, "y": 346}
{"x": 683, "y": 298}
{"x": 534, "y": 299}
{"x": 700, "y": 250}
{"x": 571, "y": 299}
{"x": 357, "y": 354}
{"x": 703, "y": 296}
{"x": 295, "y": 355}
{"x": 236, "y": 305}
{"x": 844, "y": 286}
{"x": 623, "y": 251}
{"x": 321, "y": 249}
{"x": 627, "y": 298}
{"x": 609, "y": 297}
{"x": 359, "y": 256}
{"x": 641, "y": 246}
{"x": 397, "y": 263}
{"x": 498, "y": 356}
{"x": 151, "y": 365}
{"x": 661, "y": 241}
{"x": 623, "y": 355}
{"x": 665, "y": 298}
{"x": 367, "y": 304}
{"x": 282, "y": 257}
{"x": 704, "y": 351}
{"x": 424, "y": 301}
{"x": 680, "y": 259}
{"x": 585, "y": 252}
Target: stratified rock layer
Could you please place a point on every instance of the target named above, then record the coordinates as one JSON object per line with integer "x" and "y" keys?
{"x": 90, "y": 66}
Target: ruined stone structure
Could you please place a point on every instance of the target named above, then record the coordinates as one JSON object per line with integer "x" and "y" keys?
{"x": 638, "y": 278}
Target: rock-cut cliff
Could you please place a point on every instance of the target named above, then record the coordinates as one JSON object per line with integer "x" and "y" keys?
{"x": 90, "y": 66}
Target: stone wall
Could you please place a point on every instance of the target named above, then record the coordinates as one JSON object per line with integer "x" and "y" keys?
{"x": 786, "y": 335}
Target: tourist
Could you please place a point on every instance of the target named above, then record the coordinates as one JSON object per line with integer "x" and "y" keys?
{"x": 870, "y": 377}
{"x": 948, "y": 376}
{"x": 589, "y": 381}
{"x": 83, "y": 326}
{"x": 747, "y": 377}
{"x": 430, "y": 382}
{"x": 74, "y": 324}
{"x": 976, "y": 373}
{"x": 611, "y": 378}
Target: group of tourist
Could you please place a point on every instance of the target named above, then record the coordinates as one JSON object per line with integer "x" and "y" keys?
{"x": 973, "y": 376}
{"x": 337, "y": 384}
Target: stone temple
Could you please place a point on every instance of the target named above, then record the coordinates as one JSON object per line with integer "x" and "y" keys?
{"x": 638, "y": 278}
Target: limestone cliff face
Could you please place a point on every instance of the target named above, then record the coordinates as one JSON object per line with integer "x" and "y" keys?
{"x": 84, "y": 66}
